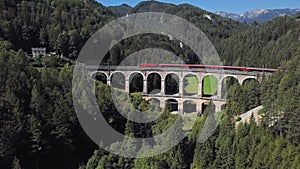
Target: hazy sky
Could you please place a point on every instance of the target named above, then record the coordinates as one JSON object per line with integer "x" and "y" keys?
{"x": 235, "y": 6}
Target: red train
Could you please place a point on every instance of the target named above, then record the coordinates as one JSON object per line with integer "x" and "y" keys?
{"x": 192, "y": 66}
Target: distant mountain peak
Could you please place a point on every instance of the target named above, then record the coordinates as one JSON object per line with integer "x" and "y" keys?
{"x": 126, "y": 5}
{"x": 259, "y": 15}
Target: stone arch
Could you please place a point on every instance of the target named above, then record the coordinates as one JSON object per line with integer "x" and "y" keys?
{"x": 227, "y": 76}
{"x": 207, "y": 74}
{"x": 210, "y": 84}
{"x": 139, "y": 72}
{"x": 191, "y": 85}
{"x": 172, "y": 81}
{"x": 154, "y": 102}
{"x": 172, "y": 105}
{"x": 208, "y": 106}
{"x": 96, "y": 75}
{"x": 118, "y": 80}
{"x": 153, "y": 83}
{"x": 114, "y": 72}
{"x": 136, "y": 82}
{"x": 249, "y": 78}
{"x": 226, "y": 83}
{"x": 156, "y": 72}
{"x": 168, "y": 73}
{"x": 189, "y": 106}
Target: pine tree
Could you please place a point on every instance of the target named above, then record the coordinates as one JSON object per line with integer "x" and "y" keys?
{"x": 16, "y": 164}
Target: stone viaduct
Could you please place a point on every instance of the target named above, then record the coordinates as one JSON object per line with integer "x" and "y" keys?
{"x": 179, "y": 99}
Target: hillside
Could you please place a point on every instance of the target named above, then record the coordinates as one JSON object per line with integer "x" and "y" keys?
{"x": 211, "y": 24}
{"x": 39, "y": 126}
{"x": 59, "y": 25}
{"x": 120, "y": 10}
{"x": 64, "y": 26}
{"x": 265, "y": 45}
{"x": 215, "y": 27}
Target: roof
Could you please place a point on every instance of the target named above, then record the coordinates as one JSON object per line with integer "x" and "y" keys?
{"x": 38, "y": 48}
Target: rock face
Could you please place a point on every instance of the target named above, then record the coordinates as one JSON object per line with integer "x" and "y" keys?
{"x": 245, "y": 118}
{"x": 259, "y": 15}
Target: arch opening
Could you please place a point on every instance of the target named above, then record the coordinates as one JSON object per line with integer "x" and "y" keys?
{"x": 136, "y": 83}
{"x": 227, "y": 83}
{"x": 155, "y": 104}
{"x": 100, "y": 76}
{"x": 153, "y": 83}
{"x": 172, "y": 105}
{"x": 190, "y": 85}
{"x": 251, "y": 90}
{"x": 223, "y": 107}
{"x": 189, "y": 106}
{"x": 208, "y": 107}
{"x": 118, "y": 80}
{"x": 172, "y": 84}
{"x": 249, "y": 80}
{"x": 209, "y": 86}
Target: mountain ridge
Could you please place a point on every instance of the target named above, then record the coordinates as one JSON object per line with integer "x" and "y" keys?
{"x": 259, "y": 15}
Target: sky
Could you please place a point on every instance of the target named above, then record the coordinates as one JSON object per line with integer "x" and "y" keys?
{"x": 233, "y": 6}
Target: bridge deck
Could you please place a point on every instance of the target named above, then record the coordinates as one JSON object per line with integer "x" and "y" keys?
{"x": 137, "y": 68}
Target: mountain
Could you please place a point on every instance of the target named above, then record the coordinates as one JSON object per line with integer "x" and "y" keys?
{"x": 155, "y": 6}
{"x": 210, "y": 23}
{"x": 269, "y": 44}
{"x": 45, "y": 23}
{"x": 214, "y": 26}
{"x": 120, "y": 10}
{"x": 259, "y": 15}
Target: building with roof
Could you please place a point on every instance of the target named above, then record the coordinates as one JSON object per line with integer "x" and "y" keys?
{"x": 38, "y": 52}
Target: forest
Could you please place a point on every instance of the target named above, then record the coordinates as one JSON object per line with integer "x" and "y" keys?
{"x": 39, "y": 126}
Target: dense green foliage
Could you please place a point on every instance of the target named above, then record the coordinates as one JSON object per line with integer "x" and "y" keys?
{"x": 38, "y": 123}
{"x": 247, "y": 146}
{"x": 121, "y": 10}
{"x": 63, "y": 26}
{"x": 60, "y": 25}
{"x": 281, "y": 101}
{"x": 267, "y": 45}
{"x": 39, "y": 128}
{"x": 241, "y": 98}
